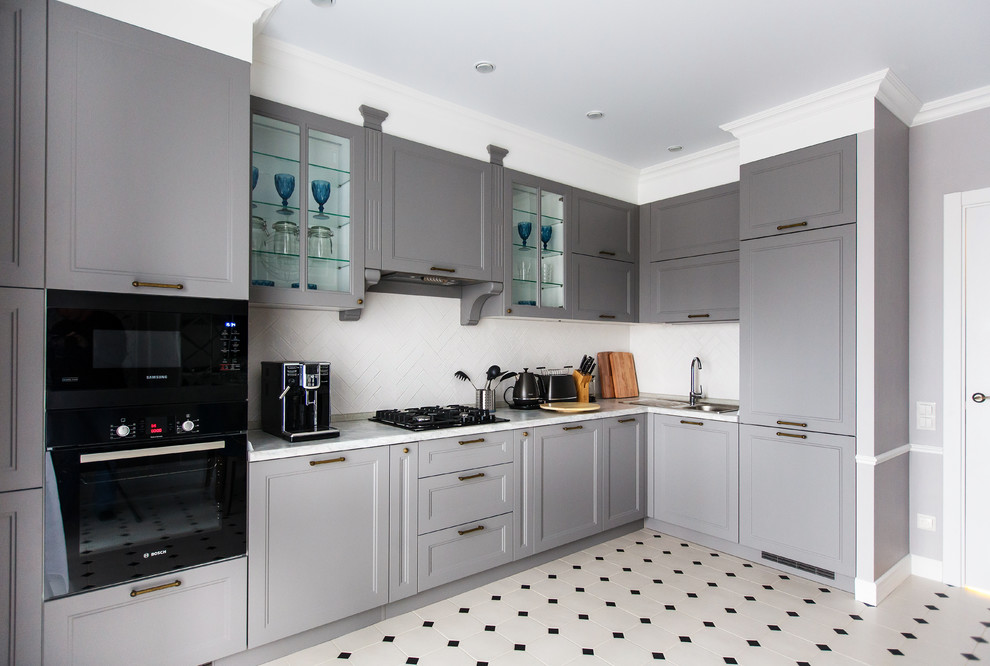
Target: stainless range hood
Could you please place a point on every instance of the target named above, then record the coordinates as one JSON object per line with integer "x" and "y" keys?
{"x": 472, "y": 293}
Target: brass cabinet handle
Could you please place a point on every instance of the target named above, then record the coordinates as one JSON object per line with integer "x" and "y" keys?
{"x": 979, "y": 397}
{"x": 157, "y": 588}
{"x": 699, "y": 316}
{"x": 791, "y": 226}
{"x": 472, "y": 441}
{"x": 792, "y": 423}
{"x": 157, "y": 285}
{"x": 573, "y": 427}
{"x": 697, "y": 423}
{"x": 473, "y": 476}
{"x": 525, "y": 434}
{"x": 603, "y": 316}
{"x": 313, "y": 463}
{"x": 445, "y": 270}
{"x": 606, "y": 253}
{"x": 405, "y": 450}
{"x": 788, "y": 434}
{"x": 626, "y": 420}
{"x": 473, "y": 529}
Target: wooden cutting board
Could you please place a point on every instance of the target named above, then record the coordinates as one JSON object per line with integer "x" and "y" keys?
{"x": 571, "y": 406}
{"x": 623, "y": 367}
{"x": 605, "y": 375}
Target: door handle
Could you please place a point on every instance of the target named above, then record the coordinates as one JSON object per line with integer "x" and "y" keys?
{"x": 979, "y": 397}
{"x": 85, "y": 458}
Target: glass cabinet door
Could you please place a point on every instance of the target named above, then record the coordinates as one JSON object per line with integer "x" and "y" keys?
{"x": 537, "y": 247}
{"x": 274, "y": 203}
{"x": 328, "y": 212}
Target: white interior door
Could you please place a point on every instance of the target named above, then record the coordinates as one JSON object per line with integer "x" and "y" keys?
{"x": 976, "y": 410}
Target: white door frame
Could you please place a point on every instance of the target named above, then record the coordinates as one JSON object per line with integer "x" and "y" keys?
{"x": 953, "y": 380}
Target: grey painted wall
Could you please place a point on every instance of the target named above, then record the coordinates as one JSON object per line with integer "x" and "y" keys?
{"x": 890, "y": 514}
{"x": 946, "y": 156}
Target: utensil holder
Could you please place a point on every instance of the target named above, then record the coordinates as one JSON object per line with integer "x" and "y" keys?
{"x": 485, "y": 399}
{"x": 581, "y": 382}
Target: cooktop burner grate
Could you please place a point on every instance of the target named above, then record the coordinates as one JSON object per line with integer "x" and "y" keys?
{"x": 436, "y": 417}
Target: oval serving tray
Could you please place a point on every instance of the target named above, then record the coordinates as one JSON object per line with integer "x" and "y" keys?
{"x": 571, "y": 406}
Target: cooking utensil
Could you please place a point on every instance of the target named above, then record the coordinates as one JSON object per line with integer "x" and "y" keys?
{"x": 460, "y": 374}
{"x": 493, "y": 372}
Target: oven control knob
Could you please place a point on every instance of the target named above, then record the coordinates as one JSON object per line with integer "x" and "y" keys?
{"x": 187, "y": 425}
{"x": 123, "y": 431}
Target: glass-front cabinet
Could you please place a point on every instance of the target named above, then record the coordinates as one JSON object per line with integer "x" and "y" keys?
{"x": 539, "y": 213}
{"x": 306, "y": 225}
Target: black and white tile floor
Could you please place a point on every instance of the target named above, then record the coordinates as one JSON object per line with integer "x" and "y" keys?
{"x": 647, "y": 598}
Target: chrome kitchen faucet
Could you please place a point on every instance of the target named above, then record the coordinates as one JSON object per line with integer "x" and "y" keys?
{"x": 693, "y": 394}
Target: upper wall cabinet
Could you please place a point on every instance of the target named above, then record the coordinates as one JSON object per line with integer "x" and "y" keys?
{"x": 148, "y": 142}
{"x": 22, "y": 143}
{"x": 692, "y": 224}
{"x": 804, "y": 189}
{"x": 604, "y": 227}
{"x": 436, "y": 212}
{"x": 307, "y": 222}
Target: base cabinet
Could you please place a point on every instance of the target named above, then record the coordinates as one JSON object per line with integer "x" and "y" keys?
{"x": 568, "y": 468}
{"x": 21, "y": 535}
{"x": 696, "y": 475}
{"x": 460, "y": 551}
{"x": 797, "y": 497}
{"x": 625, "y": 470}
{"x": 22, "y": 391}
{"x": 196, "y": 621}
{"x": 319, "y": 540}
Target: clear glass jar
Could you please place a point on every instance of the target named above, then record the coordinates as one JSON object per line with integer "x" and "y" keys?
{"x": 259, "y": 233}
{"x": 285, "y": 237}
{"x": 320, "y": 242}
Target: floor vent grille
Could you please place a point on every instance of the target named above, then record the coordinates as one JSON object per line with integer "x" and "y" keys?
{"x": 818, "y": 571}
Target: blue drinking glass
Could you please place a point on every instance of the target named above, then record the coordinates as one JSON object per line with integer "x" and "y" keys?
{"x": 525, "y": 229}
{"x": 546, "y": 231}
{"x": 285, "y": 185}
{"x": 321, "y": 192}
{"x": 254, "y": 182}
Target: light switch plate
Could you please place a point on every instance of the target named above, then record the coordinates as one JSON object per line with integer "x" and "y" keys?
{"x": 926, "y": 523}
{"x": 926, "y": 416}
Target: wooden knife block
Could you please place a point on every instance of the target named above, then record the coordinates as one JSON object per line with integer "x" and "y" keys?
{"x": 581, "y": 382}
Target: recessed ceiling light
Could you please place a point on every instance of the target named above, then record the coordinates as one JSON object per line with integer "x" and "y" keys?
{"x": 595, "y": 115}
{"x": 675, "y": 148}
{"x": 484, "y": 67}
{"x": 323, "y": 3}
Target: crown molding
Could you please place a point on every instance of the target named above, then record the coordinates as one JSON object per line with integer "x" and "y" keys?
{"x": 955, "y": 105}
{"x": 898, "y": 98}
{"x": 706, "y": 168}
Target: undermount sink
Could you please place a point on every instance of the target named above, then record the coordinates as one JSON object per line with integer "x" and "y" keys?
{"x": 656, "y": 402}
{"x": 703, "y": 406}
{"x": 712, "y": 407}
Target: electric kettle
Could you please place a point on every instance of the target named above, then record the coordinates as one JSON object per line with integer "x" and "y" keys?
{"x": 525, "y": 392}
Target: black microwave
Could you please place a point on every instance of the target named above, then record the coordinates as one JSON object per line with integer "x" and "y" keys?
{"x": 128, "y": 349}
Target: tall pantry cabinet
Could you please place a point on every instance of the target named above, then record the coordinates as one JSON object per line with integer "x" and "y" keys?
{"x": 821, "y": 318}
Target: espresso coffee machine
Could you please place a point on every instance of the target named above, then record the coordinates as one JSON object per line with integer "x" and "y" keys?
{"x": 295, "y": 400}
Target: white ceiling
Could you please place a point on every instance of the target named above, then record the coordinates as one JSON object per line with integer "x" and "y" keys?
{"x": 664, "y": 71}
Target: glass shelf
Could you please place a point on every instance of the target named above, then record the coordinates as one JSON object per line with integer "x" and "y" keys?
{"x": 546, "y": 253}
{"x": 552, "y": 285}
{"x": 329, "y": 260}
{"x": 555, "y": 220}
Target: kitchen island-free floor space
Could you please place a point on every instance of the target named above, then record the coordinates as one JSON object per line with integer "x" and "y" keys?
{"x": 649, "y": 598}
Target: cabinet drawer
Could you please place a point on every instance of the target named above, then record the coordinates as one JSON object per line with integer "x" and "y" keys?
{"x": 200, "y": 620}
{"x": 464, "y": 550}
{"x": 452, "y": 499}
{"x": 453, "y": 454}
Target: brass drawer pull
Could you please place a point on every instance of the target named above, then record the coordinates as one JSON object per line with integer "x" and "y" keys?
{"x": 606, "y": 253}
{"x": 445, "y": 270}
{"x": 472, "y": 441}
{"x": 313, "y": 463}
{"x": 405, "y": 450}
{"x": 157, "y": 588}
{"x": 787, "y": 434}
{"x": 697, "y": 423}
{"x": 473, "y": 529}
{"x": 473, "y": 476}
{"x": 603, "y": 316}
{"x": 626, "y": 420}
{"x": 157, "y": 285}
{"x": 792, "y": 423}
{"x": 791, "y": 226}
{"x": 699, "y": 316}
{"x": 573, "y": 427}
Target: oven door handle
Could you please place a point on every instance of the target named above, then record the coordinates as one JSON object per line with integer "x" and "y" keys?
{"x": 155, "y": 451}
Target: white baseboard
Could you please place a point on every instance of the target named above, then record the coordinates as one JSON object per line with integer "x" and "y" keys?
{"x": 873, "y": 592}
{"x": 926, "y": 567}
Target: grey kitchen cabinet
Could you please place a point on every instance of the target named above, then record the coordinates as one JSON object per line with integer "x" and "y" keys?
{"x": 23, "y": 28}
{"x": 570, "y": 483}
{"x": 403, "y": 535}
{"x": 436, "y": 212}
{"x": 462, "y": 550}
{"x": 625, "y": 470}
{"x": 694, "y": 289}
{"x": 604, "y": 227}
{"x": 604, "y": 289}
{"x": 148, "y": 141}
{"x": 309, "y": 252}
{"x": 21, "y": 585}
{"x": 525, "y": 492}
{"x": 797, "y": 497}
{"x": 454, "y": 454}
{"x": 22, "y": 391}
{"x": 696, "y": 475}
{"x": 192, "y": 616}
{"x": 690, "y": 225}
{"x": 306, "y": 514}
{"x": 808, "y": 188}
{"x": 460, "y": 497}
{"x": 798, "y": 331}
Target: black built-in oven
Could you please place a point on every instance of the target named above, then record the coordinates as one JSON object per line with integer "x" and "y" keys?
{"x": 146, "y": 438}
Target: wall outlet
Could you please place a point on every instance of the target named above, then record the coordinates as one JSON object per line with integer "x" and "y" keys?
{"x": 926, "y": 523}
{"x": 926, "y": 416}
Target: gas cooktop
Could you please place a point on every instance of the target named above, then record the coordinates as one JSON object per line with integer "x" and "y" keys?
{"x": 434, "y": 418}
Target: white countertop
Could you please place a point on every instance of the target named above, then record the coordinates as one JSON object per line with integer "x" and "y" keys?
{"x": 359, "y": 434}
